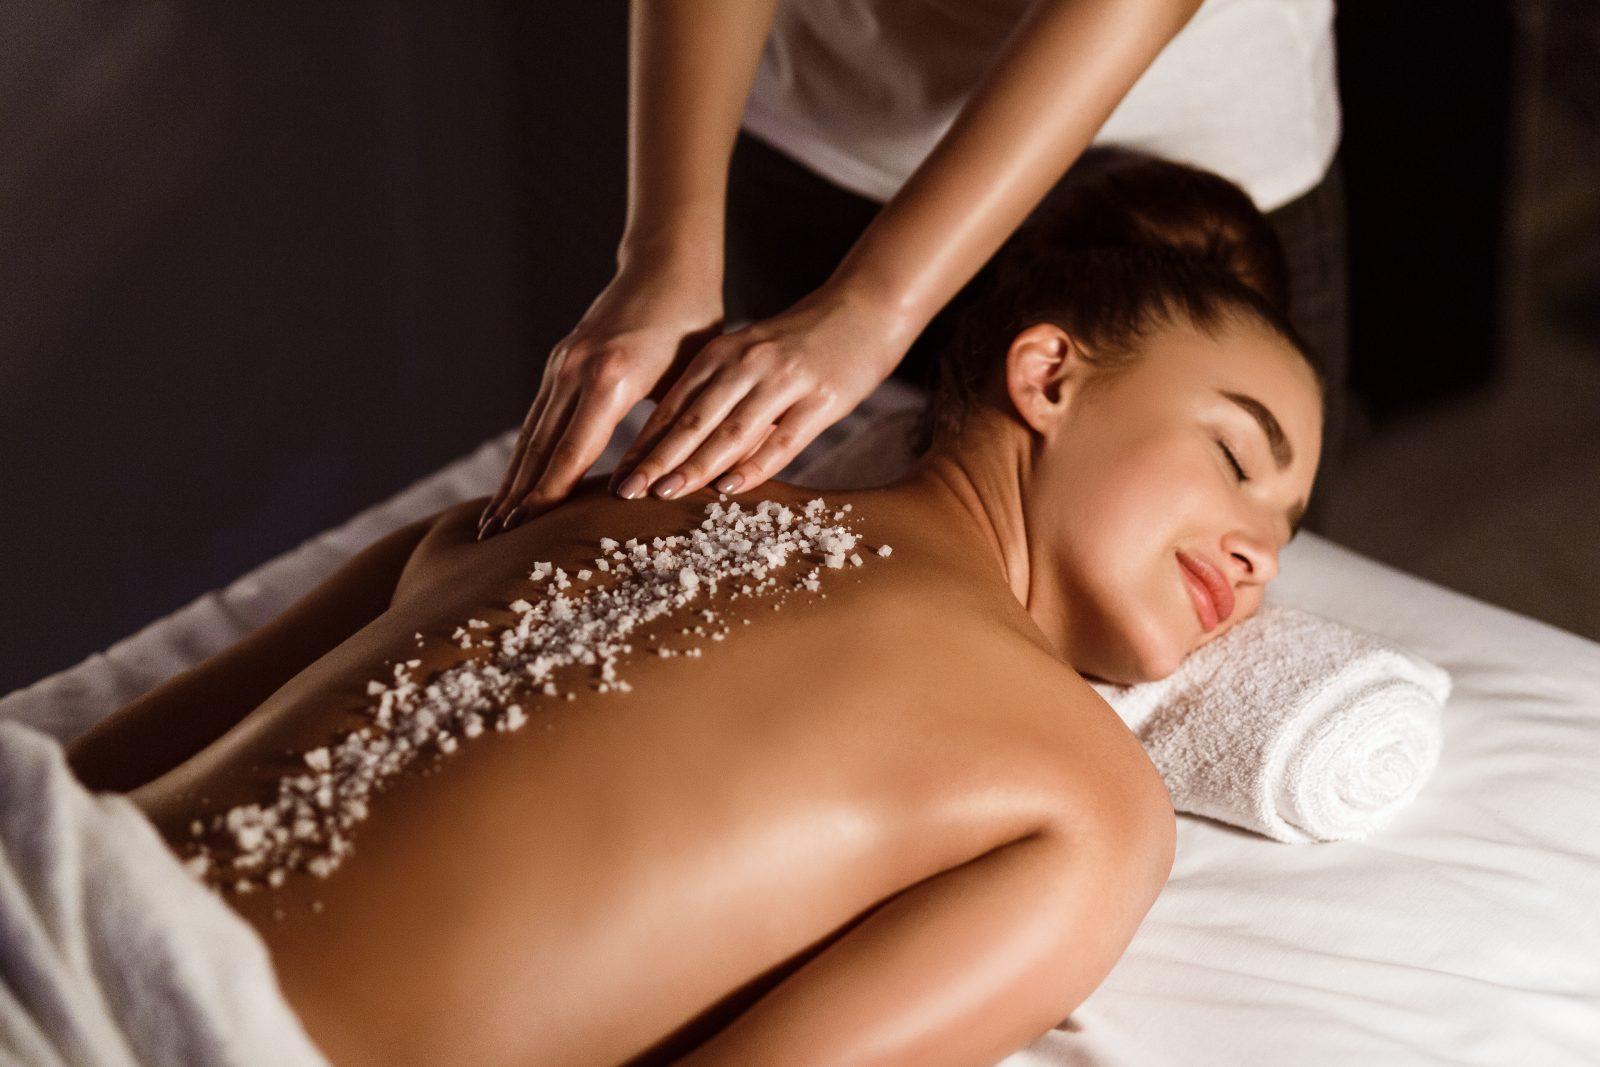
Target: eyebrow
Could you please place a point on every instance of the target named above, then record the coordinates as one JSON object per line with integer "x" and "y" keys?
{"x": 1277, "y": 441}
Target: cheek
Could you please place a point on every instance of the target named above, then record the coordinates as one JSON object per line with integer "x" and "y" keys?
{"x": 1117, "y": 527}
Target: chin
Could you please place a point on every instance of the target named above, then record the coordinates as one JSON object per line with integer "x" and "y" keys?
{"x": 1136, "y": 638}
{"x": 1142, "y": 653}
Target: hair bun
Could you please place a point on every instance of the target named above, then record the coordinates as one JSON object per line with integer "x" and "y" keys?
{"x": 1116, "y": 197}
{"x": 1124, "y": 243}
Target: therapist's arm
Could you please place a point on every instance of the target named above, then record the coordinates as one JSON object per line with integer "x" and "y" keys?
{"x": 1060, "y": 74}
{"x": 1063, "y": 71}
{"x": 690, "y": 67}
{"x": 691, "y": 64}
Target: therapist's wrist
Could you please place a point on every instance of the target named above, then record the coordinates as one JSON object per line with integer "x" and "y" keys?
{"x": 900, "y": 319}
{"x": 690, "y": 245}
{"x": 686, "y": 267}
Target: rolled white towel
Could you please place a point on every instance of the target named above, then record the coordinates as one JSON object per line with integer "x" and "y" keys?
{"x": 1291, "y": 725}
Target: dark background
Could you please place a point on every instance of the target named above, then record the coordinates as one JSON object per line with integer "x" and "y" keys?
{"x": 261, "y": 266}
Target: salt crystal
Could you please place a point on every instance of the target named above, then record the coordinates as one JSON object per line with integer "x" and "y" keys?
{"x": 884, "y": 550}
{"x": 306, "y": 827}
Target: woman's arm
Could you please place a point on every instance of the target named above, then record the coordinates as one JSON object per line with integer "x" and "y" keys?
{"x": 965, "y": 967}
{"x": 167, "y": 725}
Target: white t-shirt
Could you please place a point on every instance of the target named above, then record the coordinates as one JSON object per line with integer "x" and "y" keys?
{"x": 861, "y": 90}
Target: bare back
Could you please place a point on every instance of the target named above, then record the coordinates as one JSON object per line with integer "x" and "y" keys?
{"x": 636, "y": 865}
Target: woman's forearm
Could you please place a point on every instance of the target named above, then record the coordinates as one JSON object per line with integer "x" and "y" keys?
{"x": 1061, "y": 74}
{"x": 690, "y": 67}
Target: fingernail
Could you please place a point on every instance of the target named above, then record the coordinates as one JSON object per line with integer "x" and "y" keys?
{"x": 730, "y": 482}
{"x": 516, "y": 513}
{"x": 669, "y": 485}
{"x": 631, "y": 487}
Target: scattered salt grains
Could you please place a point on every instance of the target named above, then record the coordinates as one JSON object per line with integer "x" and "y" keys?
{"x": 307, "y": 826}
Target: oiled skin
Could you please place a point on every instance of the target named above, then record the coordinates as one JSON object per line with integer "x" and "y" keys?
{"x": 628, "y": 871}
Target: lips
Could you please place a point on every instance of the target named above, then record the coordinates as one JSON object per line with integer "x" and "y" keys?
{"x": 1213, "y": 596}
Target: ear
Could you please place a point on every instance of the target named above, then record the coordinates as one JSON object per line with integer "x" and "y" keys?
{"x": 1045, "y": 371}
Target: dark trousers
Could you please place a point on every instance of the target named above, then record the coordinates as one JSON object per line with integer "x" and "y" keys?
{"x": 788, "y": 228}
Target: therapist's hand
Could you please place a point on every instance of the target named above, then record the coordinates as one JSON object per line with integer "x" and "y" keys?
{"x": 749, "y": 401}
{"x": 630, "y": 344}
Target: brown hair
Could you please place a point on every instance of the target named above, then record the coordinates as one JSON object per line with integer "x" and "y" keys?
{"x": 1126, "y": 242}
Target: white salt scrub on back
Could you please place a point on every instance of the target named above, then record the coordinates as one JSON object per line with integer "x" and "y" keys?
{"x": 306, "y": 827}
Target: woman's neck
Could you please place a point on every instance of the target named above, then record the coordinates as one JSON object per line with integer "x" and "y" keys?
{"x": 980, "y": 480}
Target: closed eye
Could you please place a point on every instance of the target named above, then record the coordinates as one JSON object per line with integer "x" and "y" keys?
{"x": 1226, "y": 451}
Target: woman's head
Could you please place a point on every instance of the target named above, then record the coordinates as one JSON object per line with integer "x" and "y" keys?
{"x": 1133, "y": 335}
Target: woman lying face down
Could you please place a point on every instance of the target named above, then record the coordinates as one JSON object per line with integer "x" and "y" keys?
{"x": 813, "y": 814}
{"x": 1141, "y": 511}
{"x": 1154, "y": 425}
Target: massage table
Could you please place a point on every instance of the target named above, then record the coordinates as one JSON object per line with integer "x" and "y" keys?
{"x": 1465, "y": 932}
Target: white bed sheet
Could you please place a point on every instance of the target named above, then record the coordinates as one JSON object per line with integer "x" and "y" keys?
{"x": 1466, "y": 932}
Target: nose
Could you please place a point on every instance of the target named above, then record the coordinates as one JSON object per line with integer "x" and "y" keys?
{"x": 1252, "y": 555}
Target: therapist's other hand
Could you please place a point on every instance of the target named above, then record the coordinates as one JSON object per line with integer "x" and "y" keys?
{"x": 751, "y": 400}
{"x": 639, "y": 332}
